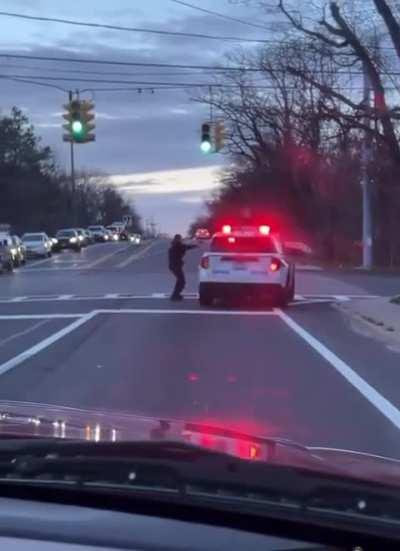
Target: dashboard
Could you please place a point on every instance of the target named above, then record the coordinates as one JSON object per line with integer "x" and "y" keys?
{"x": 31, "y": 525}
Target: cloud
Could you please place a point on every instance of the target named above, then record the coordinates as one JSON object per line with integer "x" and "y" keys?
{"x": 173, "y": 198}
{"x": 150, "y": 140}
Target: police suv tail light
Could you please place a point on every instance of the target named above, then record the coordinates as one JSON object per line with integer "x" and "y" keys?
{"x": 226, "y": 229}
{"x": 205, "y": 262}
{"x": 275, "y": 264}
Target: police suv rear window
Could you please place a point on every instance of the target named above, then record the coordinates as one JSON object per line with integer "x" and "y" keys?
{"x": 231, "y": 243}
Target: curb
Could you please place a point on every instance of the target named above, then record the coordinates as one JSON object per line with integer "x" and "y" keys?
{"x": 379, "y": 326}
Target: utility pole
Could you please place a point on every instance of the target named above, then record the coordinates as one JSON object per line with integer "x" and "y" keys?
{"x": 73, "y": 182}
{"x": 365, "y": 181}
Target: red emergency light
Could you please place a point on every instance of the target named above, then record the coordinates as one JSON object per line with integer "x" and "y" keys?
{"x": 264, "y": 229}
{"x": 226, "y": 228}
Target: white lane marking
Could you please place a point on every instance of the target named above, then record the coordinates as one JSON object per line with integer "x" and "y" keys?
{"x": 136, "y": 256}
{"x": 341, "y": 298}
{"x": 348, "y": 296}
{"x": 311, "y": 301}
{"x": 300, "y": 299}
{"x": 38, "y": 316}
{"x": 105, "y": 257}
{"x": 36, "y": 263}
{"x": 188, "y": 312}
{"x": 370, "y": 393}
{"x": 45, "y": 343}
{"x": 24, "y": 332}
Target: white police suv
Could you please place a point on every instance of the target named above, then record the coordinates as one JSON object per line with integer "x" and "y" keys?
{"x": 244, "y": 262}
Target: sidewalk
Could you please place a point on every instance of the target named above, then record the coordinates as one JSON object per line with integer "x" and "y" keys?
{"x": 381, "y": 314}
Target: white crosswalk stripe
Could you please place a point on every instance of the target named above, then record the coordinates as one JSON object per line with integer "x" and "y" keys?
{"x": 300, "y": 299}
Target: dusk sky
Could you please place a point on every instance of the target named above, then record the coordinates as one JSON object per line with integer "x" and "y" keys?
{"x": 148, "y": 142}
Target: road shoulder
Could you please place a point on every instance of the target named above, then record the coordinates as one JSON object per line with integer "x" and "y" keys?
{"x": 379, "y": 316}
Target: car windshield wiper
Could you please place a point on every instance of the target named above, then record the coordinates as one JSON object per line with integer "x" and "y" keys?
{"x": 184, "y": 471}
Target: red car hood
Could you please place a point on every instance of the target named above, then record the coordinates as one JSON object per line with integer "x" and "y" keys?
{"x": 32, "y": 420}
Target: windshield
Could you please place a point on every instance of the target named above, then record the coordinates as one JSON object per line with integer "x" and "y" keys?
{"x": 243, "y": 244}
{"x": 66, "y": 233}
{"x": 33, "y": 237}
{"x": 244, "y": 156}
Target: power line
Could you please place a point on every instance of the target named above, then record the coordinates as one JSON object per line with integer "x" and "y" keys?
{"x": 128, "y": 63}
{"x": 25, "y": 81}
{"x": 222, "y": 15}
{"x": 133, "y": 29}
{"x": 164, "y": 84}
{"x": 216, "y": 68}
{"x": 104, "y": 73}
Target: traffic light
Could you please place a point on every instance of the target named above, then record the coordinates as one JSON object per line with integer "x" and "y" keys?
{"x": 206, "y": 144}
{"x": 79, "y": 119}
{"x": 219, "y": 135}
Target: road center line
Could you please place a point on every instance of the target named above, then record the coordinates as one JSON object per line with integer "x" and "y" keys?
{"x": 10, "y": 317}
{"x": 136, "y": 256}
{"x": 373, "y": 396}
{"x": 45, "y": 343}
{"x": 105, "y": 257}
{"x": 24, "y": 332}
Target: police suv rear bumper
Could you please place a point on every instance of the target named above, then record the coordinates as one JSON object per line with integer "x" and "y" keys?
{"x": 238, "y": 290}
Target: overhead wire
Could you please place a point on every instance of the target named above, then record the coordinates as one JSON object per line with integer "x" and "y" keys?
{"x": 161, "y": 32}
{"x": 222, "y": 15}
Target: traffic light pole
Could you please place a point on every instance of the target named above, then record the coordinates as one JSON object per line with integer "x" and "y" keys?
{"x": 73, "y": 182}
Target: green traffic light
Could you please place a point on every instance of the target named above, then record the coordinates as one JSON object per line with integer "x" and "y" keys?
{"x": 77, "y": 128}
{"x": 205, "y": 146}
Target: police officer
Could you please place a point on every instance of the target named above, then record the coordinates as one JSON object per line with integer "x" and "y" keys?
{"x": 176, "y": 253}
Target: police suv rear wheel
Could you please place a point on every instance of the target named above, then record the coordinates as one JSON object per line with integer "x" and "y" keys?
{"x": 205, "y": 298}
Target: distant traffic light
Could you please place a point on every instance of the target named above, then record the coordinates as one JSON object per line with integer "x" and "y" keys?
{"x": 79, "y": 119}
{"x": 206, "y": 144}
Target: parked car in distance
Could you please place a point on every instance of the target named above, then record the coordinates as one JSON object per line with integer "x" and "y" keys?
{"x": 18, "y": 251}
{"x": 99, "y": 232}
{"x": 68, "y": 239}
{"x": 6, "y": 259}
{"x": 37, "y": 244}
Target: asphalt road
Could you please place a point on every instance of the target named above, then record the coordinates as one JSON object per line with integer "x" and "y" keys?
{"x": 96, "y": 330}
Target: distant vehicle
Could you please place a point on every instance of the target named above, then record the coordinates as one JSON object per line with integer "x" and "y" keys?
{"x": 90, "y": 237}
{"x": 68, "y": 239}
{"x": 99, "y": 232}
{"x": 121, "y": 226}
{"x": 115, "y": 232}
{"x": 202, "y": 233}
{"x": 37, "y": 244}
{"x": 135, "y": 238}
{"x": 110, "y": 236}
{"x": 246, "y": 262}
{"x": 18, "y": 251}
{"x": 6, "y": 259}
{"x": 297, "y": 248}
{"x": 82, "y": 237}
